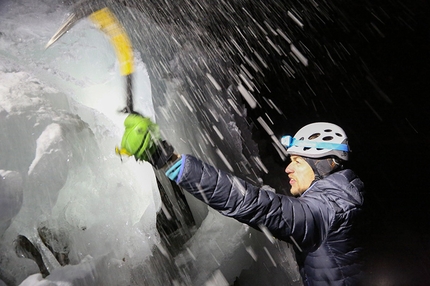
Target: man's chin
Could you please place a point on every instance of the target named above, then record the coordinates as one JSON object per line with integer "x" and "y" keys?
{"x": 294, "y": 192}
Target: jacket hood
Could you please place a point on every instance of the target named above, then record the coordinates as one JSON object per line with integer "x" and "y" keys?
{"x": 344, "y": 184}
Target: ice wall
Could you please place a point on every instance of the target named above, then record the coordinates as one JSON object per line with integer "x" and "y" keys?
{"x": 59, "y": 126}
{"x": 74, "y": 188}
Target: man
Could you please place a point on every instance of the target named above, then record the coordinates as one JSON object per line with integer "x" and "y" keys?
{"x": 321, "y": 222}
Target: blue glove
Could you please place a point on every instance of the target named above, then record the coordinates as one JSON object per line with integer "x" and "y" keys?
{"x": 173, "y": 172}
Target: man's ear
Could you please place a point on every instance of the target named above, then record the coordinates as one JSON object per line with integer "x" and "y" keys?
{"x": 338, "y": 162}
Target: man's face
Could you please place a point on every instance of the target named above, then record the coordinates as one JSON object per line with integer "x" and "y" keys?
{"x": 301, "y": 175}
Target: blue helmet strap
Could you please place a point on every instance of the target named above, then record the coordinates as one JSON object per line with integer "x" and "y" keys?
{"x": 322, "y": 167}
{"x": 289, "y": 141}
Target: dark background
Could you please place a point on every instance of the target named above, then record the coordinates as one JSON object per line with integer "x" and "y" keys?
{"x": 383, "y": 107}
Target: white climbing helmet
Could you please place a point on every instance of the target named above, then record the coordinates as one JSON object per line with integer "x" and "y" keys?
{"x": 317, "y": 140}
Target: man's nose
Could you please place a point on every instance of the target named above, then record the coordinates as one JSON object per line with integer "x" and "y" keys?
{"x": 289, "y": 170}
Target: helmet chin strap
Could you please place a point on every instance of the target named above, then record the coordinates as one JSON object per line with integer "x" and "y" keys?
{"x": 323, "y": 167}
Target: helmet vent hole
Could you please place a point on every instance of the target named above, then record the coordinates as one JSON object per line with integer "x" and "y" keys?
{"x": 338, "y": 134}
{"x": 327, "y": 138}
{"x": 313, "y": 136}
{"x": 327, "y": 130}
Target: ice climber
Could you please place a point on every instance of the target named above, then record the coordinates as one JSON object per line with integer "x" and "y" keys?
{"x": 322, "y": 220}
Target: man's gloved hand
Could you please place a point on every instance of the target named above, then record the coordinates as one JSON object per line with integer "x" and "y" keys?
{"x": 141, "y": 139}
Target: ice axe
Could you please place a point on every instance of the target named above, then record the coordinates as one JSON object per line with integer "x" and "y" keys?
{"x": 175, "y": 216}
{"x": 107, "y": 22}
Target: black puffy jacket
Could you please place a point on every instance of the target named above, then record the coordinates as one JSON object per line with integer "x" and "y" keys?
{"x": 322, "y": 222}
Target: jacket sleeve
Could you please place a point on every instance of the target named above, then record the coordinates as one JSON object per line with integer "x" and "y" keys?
{"x": 306, "y": 220}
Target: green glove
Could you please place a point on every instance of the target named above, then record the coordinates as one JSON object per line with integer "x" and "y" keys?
{"x": 139, "y": 139}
